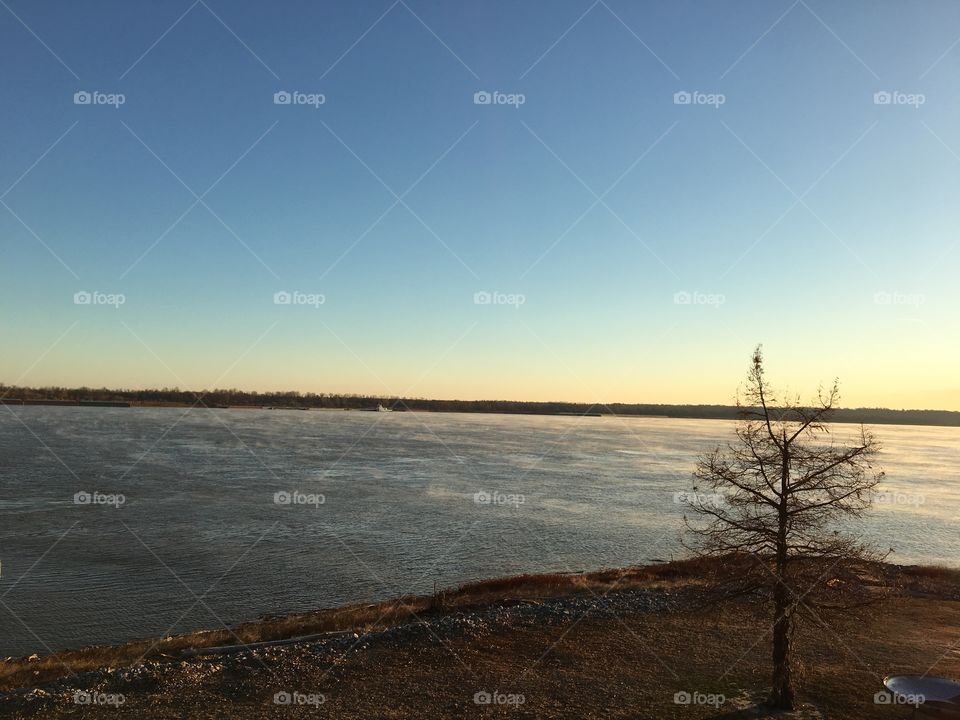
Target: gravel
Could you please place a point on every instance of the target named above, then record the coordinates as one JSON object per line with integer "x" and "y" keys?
{"x": 233, "y": 667}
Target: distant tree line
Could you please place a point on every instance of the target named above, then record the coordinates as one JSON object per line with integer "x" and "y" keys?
{"x": 339, "y": 401}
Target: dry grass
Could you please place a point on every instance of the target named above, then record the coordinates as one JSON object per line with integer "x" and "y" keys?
{"x": 923, "y": 582}
{"x": 364, "y": 617}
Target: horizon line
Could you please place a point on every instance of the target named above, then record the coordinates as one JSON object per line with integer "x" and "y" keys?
{"x": 401, "y": 398}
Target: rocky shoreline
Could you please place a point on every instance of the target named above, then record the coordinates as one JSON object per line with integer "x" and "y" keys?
{"x": 121, "y": 686}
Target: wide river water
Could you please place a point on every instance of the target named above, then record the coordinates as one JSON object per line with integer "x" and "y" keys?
{"x": 200, "y": 540}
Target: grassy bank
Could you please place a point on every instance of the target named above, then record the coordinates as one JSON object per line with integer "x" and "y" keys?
{"x": 631, "y": 665}
{"x": 360, "y": 618}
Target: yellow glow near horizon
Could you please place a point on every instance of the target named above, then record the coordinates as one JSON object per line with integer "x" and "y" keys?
{"x": 659, "y": 378}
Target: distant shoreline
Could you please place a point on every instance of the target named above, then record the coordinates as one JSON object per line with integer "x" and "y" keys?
{"x": 239, "y": 400}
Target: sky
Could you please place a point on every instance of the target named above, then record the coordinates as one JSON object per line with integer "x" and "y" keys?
{"x": 565, "y": 200}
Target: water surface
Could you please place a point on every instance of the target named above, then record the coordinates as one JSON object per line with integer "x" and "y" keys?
{"x": 199, "y": 540}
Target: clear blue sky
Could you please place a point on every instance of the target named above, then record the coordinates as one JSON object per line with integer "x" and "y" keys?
{"x": 826, "y": 223}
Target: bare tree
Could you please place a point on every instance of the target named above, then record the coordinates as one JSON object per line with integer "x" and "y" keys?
{"x": 768, "y": 506}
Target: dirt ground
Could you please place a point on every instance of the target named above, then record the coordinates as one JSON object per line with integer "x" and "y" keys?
{"x": 677, "y": 662}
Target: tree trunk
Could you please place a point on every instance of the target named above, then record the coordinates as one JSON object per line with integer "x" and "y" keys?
{"x": 782, "y": 696}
